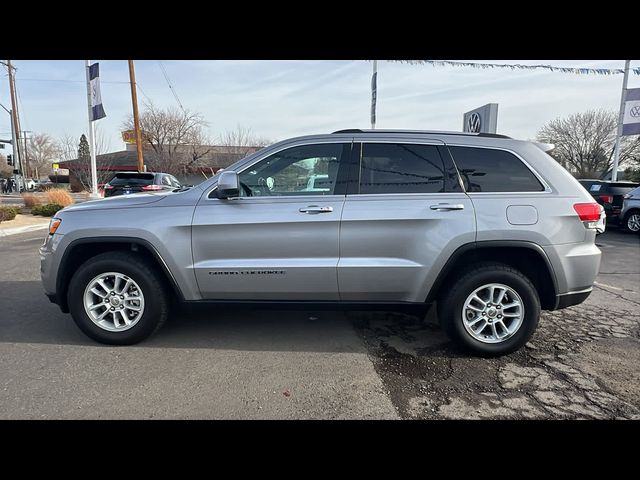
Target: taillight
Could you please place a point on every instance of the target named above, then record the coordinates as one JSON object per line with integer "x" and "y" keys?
{"x": 606, "y": 198}
{"x": 588, "y": 212}
{"x": 152, "y": 187}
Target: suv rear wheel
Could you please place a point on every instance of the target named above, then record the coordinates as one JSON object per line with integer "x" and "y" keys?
{"x": 117, "y": 298}
{"x": 491, "y": 310}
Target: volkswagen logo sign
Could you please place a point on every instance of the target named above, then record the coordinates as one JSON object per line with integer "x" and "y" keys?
{"x": 473, "y": 123}
{"x": 635, "y": 111}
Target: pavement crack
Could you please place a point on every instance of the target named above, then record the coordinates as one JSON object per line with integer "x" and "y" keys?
{"x": 616, "y": 295}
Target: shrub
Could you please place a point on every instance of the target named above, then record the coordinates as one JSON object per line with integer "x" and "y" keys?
{"x": 59, "y": 196}
{"x": 8, "y": 213}
{"x": 48, "y": 210}
{"x": 31, "y": 200}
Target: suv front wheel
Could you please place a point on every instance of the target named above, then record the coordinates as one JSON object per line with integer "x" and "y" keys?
{"x": 491, "y": 310}
{"x": 117, "y": 298}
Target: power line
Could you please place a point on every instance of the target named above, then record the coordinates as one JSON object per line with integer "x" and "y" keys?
{"x": 64, "y": 81}
{"x": 142, "y": 91}
{"x": 166, "y": 77}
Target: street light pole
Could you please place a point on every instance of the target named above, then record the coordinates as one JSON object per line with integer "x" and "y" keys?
{"x": 14, "y": 119}
{"x": 16, "y": 164}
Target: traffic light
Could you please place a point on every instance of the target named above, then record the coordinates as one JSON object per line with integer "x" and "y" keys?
{"x": 10, "y": 160}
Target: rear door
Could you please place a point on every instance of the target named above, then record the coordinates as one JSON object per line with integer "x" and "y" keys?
{"x": 404, "y": 216}
{"x": 279, "y": 239}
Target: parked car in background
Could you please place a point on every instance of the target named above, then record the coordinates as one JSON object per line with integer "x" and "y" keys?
{"x": 30, "y": 184}
{"x": 125, "y": 183}
{"x": 630, "y": 213}
{"x": 610, "y": 195}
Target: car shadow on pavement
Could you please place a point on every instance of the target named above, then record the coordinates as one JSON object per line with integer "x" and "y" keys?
{"x": 26, "y": 316}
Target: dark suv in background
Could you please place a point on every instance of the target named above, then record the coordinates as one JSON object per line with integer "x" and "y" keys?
{"x": 610, "y": 195}
{"x": 124, "y": 183}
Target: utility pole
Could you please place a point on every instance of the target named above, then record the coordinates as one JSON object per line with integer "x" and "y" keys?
{"x": 136, "y": 120}
{"x": 14, "y": 120}
{"x": 616, "y": 155}
{"x": 26, "y": 154}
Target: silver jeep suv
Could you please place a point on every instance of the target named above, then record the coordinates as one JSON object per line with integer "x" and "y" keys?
{"x": 489, "y": 228}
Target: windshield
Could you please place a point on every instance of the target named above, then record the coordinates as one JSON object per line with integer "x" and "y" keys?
{"x": 132, "y": 179}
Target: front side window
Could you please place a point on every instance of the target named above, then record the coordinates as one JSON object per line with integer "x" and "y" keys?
{"x": 401, "y": 168}
{"x": 490, "y": 170}
{"x": 166, "y": 181}
{"x": 303, "y": 170}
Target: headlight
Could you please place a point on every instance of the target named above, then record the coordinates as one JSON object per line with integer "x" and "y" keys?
{"x": 54, "y": 224}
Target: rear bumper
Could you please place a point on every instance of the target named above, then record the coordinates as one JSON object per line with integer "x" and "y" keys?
{"x": 571, "y": 298}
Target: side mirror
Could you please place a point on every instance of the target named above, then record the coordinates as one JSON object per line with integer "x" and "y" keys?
{"x": 228, "y": 185}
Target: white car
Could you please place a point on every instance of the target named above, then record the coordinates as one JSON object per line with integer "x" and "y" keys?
{"x": 30, "y": 184}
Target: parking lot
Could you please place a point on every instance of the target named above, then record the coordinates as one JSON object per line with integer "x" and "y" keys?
{"x": 208, "y": 363}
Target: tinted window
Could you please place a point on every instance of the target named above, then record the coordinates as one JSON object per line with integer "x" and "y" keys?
{"x": 132, "y": 179}
{"x": 174, "y": 181}
{"x": 304, "y": 170}
{"x": 489, "y": 170}
{"x": 406, "y": 168}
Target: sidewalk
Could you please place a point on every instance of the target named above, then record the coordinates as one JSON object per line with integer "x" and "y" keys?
{"x": 22, "y": 224}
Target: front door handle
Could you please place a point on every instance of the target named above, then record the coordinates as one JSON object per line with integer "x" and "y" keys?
{"x": 447, "y": 206}
{"x": 314, "y": 209}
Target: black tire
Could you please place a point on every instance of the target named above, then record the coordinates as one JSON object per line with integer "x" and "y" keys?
{"x": 145, "y": 275}
{"x": 625, "y": 221}
{"x": 450, "y": 306}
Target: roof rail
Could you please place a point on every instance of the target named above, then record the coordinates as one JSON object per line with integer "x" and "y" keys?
{"x": 358, "y": 130}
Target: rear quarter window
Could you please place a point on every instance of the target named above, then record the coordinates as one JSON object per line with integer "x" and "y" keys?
{"x": 492, "y": 170}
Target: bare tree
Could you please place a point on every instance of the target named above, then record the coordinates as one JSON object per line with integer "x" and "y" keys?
{"x": 6, "y": 170}
{"x": 68, "y": 147}
{"x": 42, "y": 151}
{"x": 171, "y": 133}
{"x": 80, "y": 157}
{"x": 241, "y": 140}
{"x": 585, "y": 141}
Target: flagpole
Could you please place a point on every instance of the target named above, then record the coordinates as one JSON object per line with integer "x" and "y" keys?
{"x": 92, "y": 136}
{"x": 374, "y": 93}
{"x": 616, "y": 155}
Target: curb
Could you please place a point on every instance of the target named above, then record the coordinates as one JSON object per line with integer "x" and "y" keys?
{"x": 14, "y": 231}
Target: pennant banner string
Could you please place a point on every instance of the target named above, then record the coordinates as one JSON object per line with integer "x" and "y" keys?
{"x": 518, "y": 66}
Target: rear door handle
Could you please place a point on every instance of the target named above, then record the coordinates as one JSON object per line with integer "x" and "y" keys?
{"x": 314, "y": 209}
{"x": 447, "y": 206}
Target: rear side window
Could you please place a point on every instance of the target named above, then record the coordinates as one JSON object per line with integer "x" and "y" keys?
{"x": 490, "y": 170}
{"x": 132, "y": 179}
{"x": 401, "y": 168}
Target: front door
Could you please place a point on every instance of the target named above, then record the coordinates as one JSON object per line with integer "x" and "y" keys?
{"x": 279, "y": 240}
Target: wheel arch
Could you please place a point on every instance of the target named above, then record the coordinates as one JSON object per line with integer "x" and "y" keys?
{"x": 527, "y": 257}
{"x": 80, "y": 250}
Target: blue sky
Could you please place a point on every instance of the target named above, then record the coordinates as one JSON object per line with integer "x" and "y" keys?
{"x": 280, "y": 99}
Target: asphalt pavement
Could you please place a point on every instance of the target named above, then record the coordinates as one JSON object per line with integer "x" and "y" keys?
{"x": 250, "y": 364}
{"x": 211, "y": 365}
